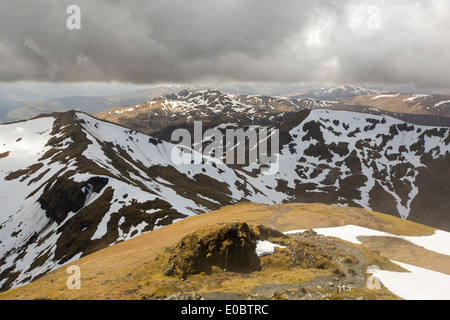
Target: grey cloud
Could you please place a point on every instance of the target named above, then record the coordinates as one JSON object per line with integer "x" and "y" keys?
{"x": 250, "y": 40}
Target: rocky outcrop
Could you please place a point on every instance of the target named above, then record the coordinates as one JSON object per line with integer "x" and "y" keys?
{"x": 305, "y": 266}
{"x": 65, "y": 195}
{"x": 230, "y": 247}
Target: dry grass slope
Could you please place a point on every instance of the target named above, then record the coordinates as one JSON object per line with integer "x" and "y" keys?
{"x": 134, "y": 269}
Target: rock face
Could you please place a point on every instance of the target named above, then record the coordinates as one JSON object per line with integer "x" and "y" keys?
{"x": 230, "y": 247}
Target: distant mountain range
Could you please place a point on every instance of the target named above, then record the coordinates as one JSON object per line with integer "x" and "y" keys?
{"x": 90, "y": 104}
{"x": 21, "y": 104}
{"x": 161, "y": 115}
{"x": 338, "y": 92}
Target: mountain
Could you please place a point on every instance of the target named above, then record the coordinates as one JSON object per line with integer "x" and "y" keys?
{"x": 71, "y": 184}
{"x": 337, "y": 92}
{"x": 159, "y": 117}
{"x": 27, "y": 100}
{"x": 372, "y": 161}
{"x": 11, "y": 98}
{"x": 425, "y": 109}
{"x": 293, "y": 252}
{"x": 428, "y": 104}
{"x": 89, "y": 104}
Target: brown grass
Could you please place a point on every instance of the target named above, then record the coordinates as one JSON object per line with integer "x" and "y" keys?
{"x": 404, "y": 251}
{"x": 397, "y": 104}
{"x": 128, "y": 270}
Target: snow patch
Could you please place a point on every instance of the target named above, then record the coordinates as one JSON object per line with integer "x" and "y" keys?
{"x": 417, "y": 284}
{"x": 264, "y": 248}
{"x": 386, "y": 96}
{"x": 441, "y": 104}
{"x": 437, "y": 242}
{"x": 415, "y": 96}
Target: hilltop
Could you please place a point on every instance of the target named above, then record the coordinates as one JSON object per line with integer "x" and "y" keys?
{"x": 334, "y": 269}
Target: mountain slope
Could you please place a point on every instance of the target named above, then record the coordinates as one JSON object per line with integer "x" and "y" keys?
{"x": 89, "y": 104}
{"x": 72, "y": 184}
{"x": 21, "y": 103}
{"x": 134, "y": 269}
{"x": 337, "y": 93}
{"x": 382, "y": 156}
{"x": 435, "y": 105}
{"x": 372, "y": 161}
{"x": 162, "y": 114}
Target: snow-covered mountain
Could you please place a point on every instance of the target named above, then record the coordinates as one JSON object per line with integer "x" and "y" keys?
{"x": 338, "y": 92}
{"x": 71, "y": 184}
{"x": 23, "y": 101}
{"x": 160, "y": 116}
{"x": 429, "y": 104}
{"x": 212, "y": 106}
{"x": 372, "y": 161}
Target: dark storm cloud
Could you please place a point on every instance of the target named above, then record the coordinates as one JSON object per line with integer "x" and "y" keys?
{"x": 250, "y": 40}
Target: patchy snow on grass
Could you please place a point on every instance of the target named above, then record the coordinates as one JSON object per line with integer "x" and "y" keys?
{"x": 385, "y": 96}
{"x": 348, "y": 233}
{"x": 438, "y": 242}
{"x": 441, "y": 103}
{"x": 418, "y": 283}
{"x": 415, "y": 96}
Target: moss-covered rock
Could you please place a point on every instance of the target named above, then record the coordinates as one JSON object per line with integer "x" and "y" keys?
{"x": 230, "y": 247}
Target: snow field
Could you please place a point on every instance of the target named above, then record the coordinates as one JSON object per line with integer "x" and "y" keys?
{"x": 416, "y": 284}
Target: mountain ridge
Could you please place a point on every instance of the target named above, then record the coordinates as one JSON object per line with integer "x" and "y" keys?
{"x": 162, "y": 114}
{"x": 134, "y": 269}
{"x": 86, "y": 179}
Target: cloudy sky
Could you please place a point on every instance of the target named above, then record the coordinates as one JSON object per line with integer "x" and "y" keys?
{"x": 143, "y": 42}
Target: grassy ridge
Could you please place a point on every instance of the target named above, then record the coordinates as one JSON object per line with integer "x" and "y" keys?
{"x": 128, "y": 270}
